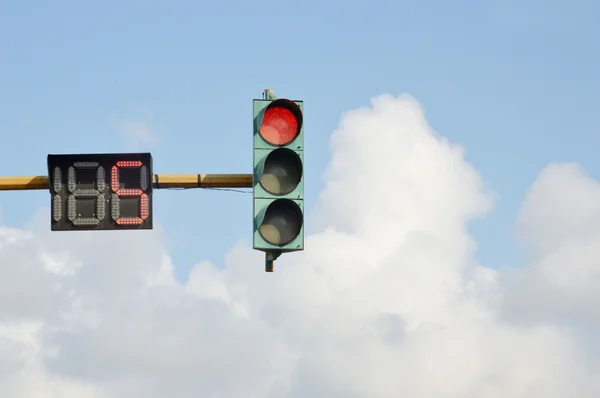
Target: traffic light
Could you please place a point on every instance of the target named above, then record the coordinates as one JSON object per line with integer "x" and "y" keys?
{"x": 278, "y": 177}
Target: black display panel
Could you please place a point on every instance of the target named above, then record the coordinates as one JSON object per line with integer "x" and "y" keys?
{"x": 100, "y": 191}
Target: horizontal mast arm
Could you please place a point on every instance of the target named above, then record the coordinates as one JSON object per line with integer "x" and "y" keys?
{"x": 159, "y": 181}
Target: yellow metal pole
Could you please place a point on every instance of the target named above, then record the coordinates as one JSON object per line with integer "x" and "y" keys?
{"x": 202, "y": 181}
{"x": 23, "y": 183}
{"x": 159, "y": 181}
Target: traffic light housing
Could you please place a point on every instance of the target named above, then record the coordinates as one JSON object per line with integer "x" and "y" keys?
{"x": 278, "y": 176}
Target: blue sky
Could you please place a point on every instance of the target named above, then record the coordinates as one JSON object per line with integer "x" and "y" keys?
{"x": 514, "y": 82}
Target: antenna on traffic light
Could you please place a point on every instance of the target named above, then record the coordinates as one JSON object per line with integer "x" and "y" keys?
{"x": 269, "y": 95}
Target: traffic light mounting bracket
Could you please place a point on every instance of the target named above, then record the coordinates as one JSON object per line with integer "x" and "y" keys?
{"x": 270, "y": 258}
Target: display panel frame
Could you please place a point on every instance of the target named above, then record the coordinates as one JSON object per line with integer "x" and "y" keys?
{"x": 107, "y": 191}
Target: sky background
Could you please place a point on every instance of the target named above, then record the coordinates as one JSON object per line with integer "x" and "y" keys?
{"x": 414, "y": 280}
{"x": 514, "y": 82}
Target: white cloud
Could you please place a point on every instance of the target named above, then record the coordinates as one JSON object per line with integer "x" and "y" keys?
{"x": 139, "y": 128}
{"x": 385, "y": 301}
{"x": 138, "y": 133}
{"x": 144, "y": 110}
{"x": 560, "y": 224}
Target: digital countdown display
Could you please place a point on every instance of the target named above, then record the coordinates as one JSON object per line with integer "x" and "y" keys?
{"x": 100, "y": 191}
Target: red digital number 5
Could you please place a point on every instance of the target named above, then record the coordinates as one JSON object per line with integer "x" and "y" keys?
{"x": 129, "y": 193}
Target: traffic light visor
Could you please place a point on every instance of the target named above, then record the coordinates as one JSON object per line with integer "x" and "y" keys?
{"x": 282, "y": 222}
{"x": 282, "y": 172}
{"x": 281, "y": 122}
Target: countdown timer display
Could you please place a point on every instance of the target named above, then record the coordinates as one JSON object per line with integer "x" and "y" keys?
{"x": 100, "y": 191}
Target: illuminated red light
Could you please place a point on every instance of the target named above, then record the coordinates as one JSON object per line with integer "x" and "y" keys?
{"x": 279, "y": 126}
{"x": 131, "y": 192}
{"x": 114, "y": 179}
{"x": 129, "y": 221}
{"x": 144, "y": 206}
{"x": 129, "y": 163}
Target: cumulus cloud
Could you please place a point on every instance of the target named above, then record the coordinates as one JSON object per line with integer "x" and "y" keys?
{"x": 385, "y": 301}
{"x": 138, "y": 132}
{"x": 138, "y": 129}
{"x": 560, "y": 225}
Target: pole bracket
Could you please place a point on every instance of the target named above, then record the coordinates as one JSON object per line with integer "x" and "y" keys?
{"x": 270, "y": 258}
